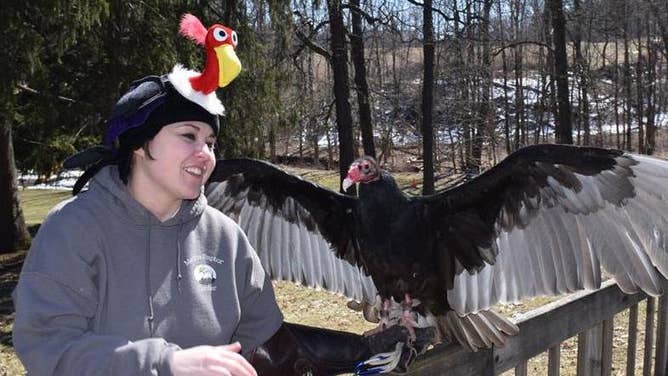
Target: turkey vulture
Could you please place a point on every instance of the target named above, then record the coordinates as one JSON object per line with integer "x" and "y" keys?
{"x": 544, "y": 221}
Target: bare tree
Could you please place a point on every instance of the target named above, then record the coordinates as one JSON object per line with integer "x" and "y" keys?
{"x": 583, "y": 75}
{"x": 627, "y": 81}
{"x": 339, "y": 62}
{"x": 361, "y": 86}
{"x": 564, "y": 127}
{"x": 486, "y": 106}
{"x": 428, "y": 98}
{"x": 650, "y": 142}
{"x": 640, "y": 97}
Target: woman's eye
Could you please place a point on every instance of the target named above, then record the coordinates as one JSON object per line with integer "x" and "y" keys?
{"x": 189, "y": 136}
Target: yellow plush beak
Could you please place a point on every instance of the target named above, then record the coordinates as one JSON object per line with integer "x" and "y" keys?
{"x": 229, "y": 65}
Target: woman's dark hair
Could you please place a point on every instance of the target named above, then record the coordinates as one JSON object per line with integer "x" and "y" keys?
{"x": 129, "y": 142}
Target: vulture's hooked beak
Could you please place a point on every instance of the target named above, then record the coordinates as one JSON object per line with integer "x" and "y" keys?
{"x": 352, "y": 177}
{"x": 347, "y": 183}
{"x": 229, "y": 65}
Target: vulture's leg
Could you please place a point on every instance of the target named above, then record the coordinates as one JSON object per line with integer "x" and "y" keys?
{"x": 384, "y": 313}
{"x": 407, "y": 318}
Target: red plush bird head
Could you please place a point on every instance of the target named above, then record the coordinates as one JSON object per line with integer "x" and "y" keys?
{"x": 221, "y": 67}
{"x": 222, "y": 64}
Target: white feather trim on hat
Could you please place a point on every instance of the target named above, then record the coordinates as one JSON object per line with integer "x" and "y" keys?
{"x": 180, "y": 79}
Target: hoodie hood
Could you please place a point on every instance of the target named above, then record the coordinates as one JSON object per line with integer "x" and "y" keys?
{"x": 119, "y": 201}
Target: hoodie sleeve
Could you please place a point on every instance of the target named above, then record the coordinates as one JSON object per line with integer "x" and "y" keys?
{"x": 260, "y": 315}
{"x": 55, "y": 302}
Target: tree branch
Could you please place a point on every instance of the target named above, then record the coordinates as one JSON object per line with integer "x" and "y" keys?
{"x": 369, "y": 18}
{"x": 450, "y": 19}
{"x": 440, "y": 12}
{"x": 521, "y": 42}
{"x": 306, "y": 39}
{"x": 313, "y": 46}
{"x": 59, "y": 97}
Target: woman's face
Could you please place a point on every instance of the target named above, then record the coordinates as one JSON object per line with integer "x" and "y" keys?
{"x": 183, "y": 160}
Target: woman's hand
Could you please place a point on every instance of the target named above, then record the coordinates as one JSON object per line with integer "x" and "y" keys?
{"x": 211, "y": 360}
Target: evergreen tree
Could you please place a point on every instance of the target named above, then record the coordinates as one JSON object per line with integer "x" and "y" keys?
{"x": 30, "y": 32}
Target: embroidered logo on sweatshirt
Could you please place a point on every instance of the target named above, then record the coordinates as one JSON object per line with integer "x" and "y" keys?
{"x": 205, "y": 275}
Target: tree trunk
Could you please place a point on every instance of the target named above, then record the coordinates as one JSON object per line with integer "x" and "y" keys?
{"x": 652, "y": 61}
{"x": 13, "y": 233}
{"x": 581, "y": 68}
{"x": 627, "y": 87}
{"x": 640, "y": 107}
{"x": 564, "y": 127}
{"x": 486, "y": 111}
{"x": 344, "y": 120}
{"x": 616, "y": 98}
{"x": 478, "y": 125}
{"x": 361, "y": 86}
{"x": 506, "y": 105}
{"x": 427, "y": 100}
{"x": 517, "y": 11}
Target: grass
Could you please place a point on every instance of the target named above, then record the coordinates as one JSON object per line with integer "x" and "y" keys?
{"x": 298, "y": 304}
{"x": 36, "y": 203}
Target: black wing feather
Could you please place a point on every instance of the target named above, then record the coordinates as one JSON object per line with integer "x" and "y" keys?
{"x": 543, "y": 220}
{"x": 289, "y": 219}
{"x": 264, "y": 184}
{"x": 510, "y": 193}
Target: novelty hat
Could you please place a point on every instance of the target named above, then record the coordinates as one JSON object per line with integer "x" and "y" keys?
{"x": 155, "y": 101}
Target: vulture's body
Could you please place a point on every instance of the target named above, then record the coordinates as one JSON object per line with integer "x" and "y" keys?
{"x": 545, "y": 221}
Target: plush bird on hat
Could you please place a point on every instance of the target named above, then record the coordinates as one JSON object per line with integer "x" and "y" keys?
{"x": 221, "y": 66}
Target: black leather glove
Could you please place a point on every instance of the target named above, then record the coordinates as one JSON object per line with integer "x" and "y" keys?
{"x": 302, "y": 350}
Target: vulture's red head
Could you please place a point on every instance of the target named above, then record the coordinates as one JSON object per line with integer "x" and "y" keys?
{"x": 362, "y": 170}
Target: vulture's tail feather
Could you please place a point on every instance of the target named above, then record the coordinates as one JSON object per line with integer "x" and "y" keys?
{"x": 476, "y": 330}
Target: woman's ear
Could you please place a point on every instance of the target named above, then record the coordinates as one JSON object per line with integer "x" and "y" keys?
{"x": 139, "y": 152}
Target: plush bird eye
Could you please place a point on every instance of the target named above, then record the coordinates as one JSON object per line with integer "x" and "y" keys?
{"x": 235, "y": 39}
{"x": 219, "y": 34}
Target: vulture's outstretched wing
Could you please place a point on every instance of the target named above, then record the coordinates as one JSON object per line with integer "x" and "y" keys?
{"x": 546, "y": 219}
{"x": 297, "y": 228}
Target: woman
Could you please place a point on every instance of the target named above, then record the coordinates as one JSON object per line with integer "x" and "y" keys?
{"x": 120, "y": 274}
{"x": 138, "y": 275}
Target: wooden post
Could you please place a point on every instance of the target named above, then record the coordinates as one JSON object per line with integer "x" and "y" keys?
{"x": 521, "y": 369}
{"x": 554, "y": 360}
{"x": 649, "y": 337}
{"x": 661, "y": 365}
{"x": 631, "y": 347}
{"x": 606, "y": 353}
{"x": 589, "y": 351}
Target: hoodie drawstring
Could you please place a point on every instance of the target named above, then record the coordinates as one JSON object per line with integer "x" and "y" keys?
{"x": 149, "y": 292}
{"x": 178, "y": 259}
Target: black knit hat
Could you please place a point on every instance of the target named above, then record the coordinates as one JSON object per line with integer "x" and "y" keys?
{"x": 153, "y": 101}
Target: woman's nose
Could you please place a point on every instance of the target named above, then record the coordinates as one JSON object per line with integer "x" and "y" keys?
{"x": 203, "y": 150}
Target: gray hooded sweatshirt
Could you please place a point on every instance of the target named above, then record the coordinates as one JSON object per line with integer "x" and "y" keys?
{"x": 108, "y": 289}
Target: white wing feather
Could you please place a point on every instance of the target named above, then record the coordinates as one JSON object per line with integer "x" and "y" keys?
{"x": 565, "y": 247}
